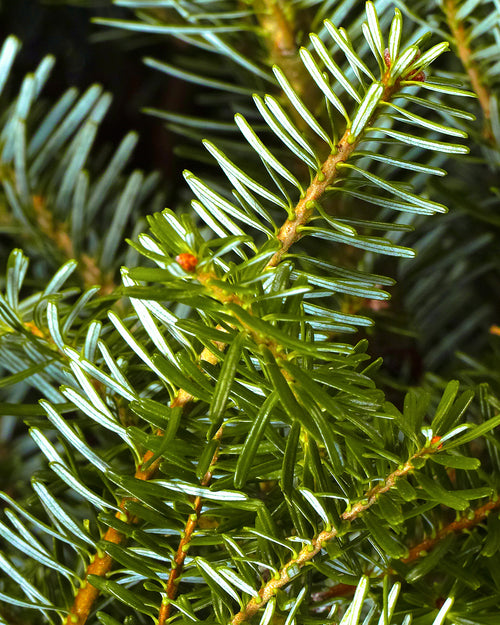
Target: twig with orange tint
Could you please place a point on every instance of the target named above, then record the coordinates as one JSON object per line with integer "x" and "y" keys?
{"x": 180, "y": 556}
{"x": 289, "y": 234}
{"x": 101, "y": 563}
{"x": 470, "y": 519}
{"x": 308, "y": 552}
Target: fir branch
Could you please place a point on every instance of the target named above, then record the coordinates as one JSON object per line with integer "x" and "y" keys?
{"x": 309, "y": 551}
{"x": 180, "y": 556}
{"x": 58, "y": 235}
{"x": 290, "y": 231}
{"x": 466, "y": 54}
{"x": 101, "y": 563}
{"x": 470, "y": 519}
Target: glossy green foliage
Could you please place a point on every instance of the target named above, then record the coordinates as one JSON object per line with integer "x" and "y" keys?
{"x": 277, "y": 426}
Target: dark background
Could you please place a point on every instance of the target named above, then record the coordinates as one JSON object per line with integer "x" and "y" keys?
{"x": 87, "y": 53}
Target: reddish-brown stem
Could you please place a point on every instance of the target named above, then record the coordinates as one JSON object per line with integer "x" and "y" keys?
{"x": 470, "y": 519}
{"x": 290, "y": 231}
{"x": 465, "y": 53}
{"x": 101, "y": 563}
{"x": 339, "y": 590}
{"x": 180, "y": 556}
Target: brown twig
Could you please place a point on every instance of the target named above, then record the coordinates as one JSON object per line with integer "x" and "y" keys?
{"x": 277, "y": 23}
{"x": 290, "y": 231}
{"x": 180, "y": 556}
{"x": 309, "y": 551}
{"x": 465, "y": 53}
{"x": 468, "y": 521}
{"x": 101, "y": 563}
{"x": 339, "y": 590}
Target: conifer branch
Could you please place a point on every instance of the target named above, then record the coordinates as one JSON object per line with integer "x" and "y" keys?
{"x": 465, "y": 53}
{"x": 57, "y": 233}
{"x": 279, "y": 31}
{"x": 309, "y": 551}
{"x": 470, "y": 518}
{"x": 290, "y": 231}
{"x": 180, "y": 556}
{"x": 289, "y": 234}
{"x": 101, "y": 563}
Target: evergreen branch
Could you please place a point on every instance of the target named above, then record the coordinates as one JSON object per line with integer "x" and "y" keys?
{"x": 309, "y": 551}
{"x": 290, "y": 231}
{"x": 101, "y": 563}
{"x": 180, "y": 556}
{"x": 465, "y": 53}
{"x": 470, "y": 519}
{"x": 59, "y": 236}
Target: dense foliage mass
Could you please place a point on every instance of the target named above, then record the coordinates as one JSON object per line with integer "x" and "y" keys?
{"x": 265, "y": 407}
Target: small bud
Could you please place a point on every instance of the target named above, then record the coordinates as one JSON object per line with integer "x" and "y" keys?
{"x": 420, "y": 77}
{"x": 187, "y": 261}
{"x": 387, "y": 57}
{"x": 435, "y": 440}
